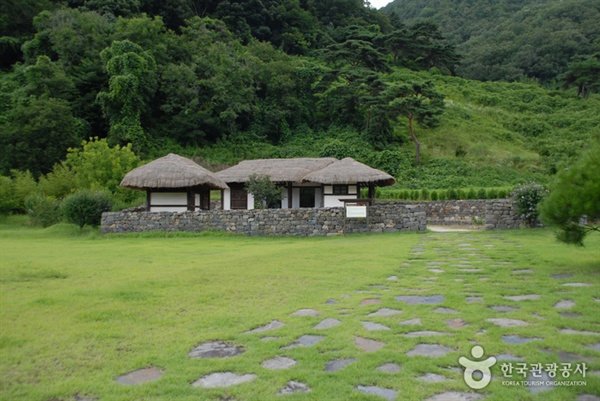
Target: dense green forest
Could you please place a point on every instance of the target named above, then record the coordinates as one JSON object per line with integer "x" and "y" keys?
{"x": 229, "y": 80}
{"x": 506, "y": 40}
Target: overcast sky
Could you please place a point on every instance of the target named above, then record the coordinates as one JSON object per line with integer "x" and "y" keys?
{"x": 379, "y": 3}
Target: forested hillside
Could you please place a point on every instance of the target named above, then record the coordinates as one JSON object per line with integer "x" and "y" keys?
{"x": 224, "y": 81}
{"x": 506, "y": 40}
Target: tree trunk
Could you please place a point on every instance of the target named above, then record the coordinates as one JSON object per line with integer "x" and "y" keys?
{"x": 414, "y": 139}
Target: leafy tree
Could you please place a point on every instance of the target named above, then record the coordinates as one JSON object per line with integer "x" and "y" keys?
{"x": 266, "y": 193}
{"x": 584, "y": 74}
{"x": 86, "y": 207}
{"x": 132, "y": 82}
{"x": 418, "y": 101}
{"x": 573, "y": 205}
{"x": 99, "y": 167}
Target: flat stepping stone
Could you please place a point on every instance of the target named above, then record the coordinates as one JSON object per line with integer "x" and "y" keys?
{"x": 327, "y": 324}
{"x": 370, "y": 301}
{"x": 416, "y": 334}
{"x": 294, "y": 387}
{"x": 594, "y": 347}
{"x": 436, "y": 270}
{"x": 472, "y": 300}
{"x": 561, "y": 276}
{"x": 581, "y": 332}
{"x": 368, "y": 345}
{"x": 222, "y": 379}
{"x": 386, "y": 393}
{"x": 431, "y": 350}
{"x": 503, "y": 322}
{"x": 421, "y": 299}
{"x": 275, "y": 324}
{"x": 412, "y": 322}
{"x": 587, "y": 397}
{"x": 305, "y": 312}
{"x": 538, "y": 384}
{"x": 446, "y": 311}
{"x": 570, "y": 314}
{"x": 432, "y": 378}
{"x": 470, "y": 270}
{"x": 456, "y": 323}
{"x": 140, "y": 376}
{"x": 566, "y": 304}
{"x": 306, "y": 340}
{"x": 278, "y": 363}
{"x": 521, "y": 271}
{"x": 338, "y": 364}
{"x": 455, "y": 396}
{"x": 503, "y": 308}
{"x": 370, "y": 326}
{"x": 509, "y": 357}
{"x": 390, "y": 368}
{"x": 392, "y": 278}
{"x": 215, "y": 349}
{"x": 566, "y": 357}
{"x": 269, "y": 338}
{"x": 513, "y": 339}
{"x": 385, "y": 312}
{"x": 576, "y": 285}
{"x": 528, "y": 297}
{"x": 331, "y": 301}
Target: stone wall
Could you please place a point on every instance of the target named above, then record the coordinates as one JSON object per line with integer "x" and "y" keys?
{"x": 387, "y": 217}
{"x": 456, "y": 212}
{"x": 501, "y": 214}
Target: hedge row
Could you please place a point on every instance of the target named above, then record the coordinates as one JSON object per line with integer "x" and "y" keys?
{"x": 442, "y": 194}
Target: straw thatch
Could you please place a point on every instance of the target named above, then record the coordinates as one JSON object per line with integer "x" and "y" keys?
{"x": 349, "y": 171}
{"x": 171, "y": 171}
{"x": 279, "y": 170}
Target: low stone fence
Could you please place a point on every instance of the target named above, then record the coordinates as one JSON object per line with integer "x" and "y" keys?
{"x": 502, "y": 214}
{"x": 387, "y": 217}
{"x": 456, "y": 212}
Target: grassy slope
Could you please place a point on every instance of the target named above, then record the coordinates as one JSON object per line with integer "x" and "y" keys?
{"x": 77, "y": 311}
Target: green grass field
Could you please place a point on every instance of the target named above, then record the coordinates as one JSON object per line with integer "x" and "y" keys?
{"x": 78, "y": 309}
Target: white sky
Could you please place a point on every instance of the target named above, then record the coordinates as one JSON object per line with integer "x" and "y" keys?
{"x": 379, "y": 3}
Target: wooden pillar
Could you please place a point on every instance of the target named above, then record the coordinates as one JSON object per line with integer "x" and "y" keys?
{"x": 358, "y": 190}
{"x": 222, "y": 199}
{"x": 207, "y": 192}
{"x": 290, "y": 191}
{"x": 148, "y": 199}
{"x": 191, "y": 200}
{"x": 372, "y": 192}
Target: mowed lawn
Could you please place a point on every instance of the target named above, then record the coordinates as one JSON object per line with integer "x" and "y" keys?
{"x": 79, "y": 309}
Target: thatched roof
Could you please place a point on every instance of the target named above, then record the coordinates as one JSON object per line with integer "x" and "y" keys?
{"x": 171, "y": 171}
{"x": 279, "y": 170}
{"x": 349, "y": 171}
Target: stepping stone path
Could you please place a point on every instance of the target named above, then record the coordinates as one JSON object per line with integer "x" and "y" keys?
{"x": 294, "y": 387}
{"x": 465, "y": 261}
{"x": 225, "y": 379}
{"x": 370, "y": 326}
{"x": 338, "y": 364}
{"x": 140, "y": 376}
{"x": 305, "y": 341}
{"x": 215, "y": 349}
{"x": 327, "y": 324}
{"x": 381, "y": 392}
{"x": 278, "y": 363}
{"x": 390, "y": 368}
{"x": 431, "y": 350}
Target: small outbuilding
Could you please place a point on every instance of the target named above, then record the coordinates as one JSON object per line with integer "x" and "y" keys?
{"x": 305, "y": 182}
{"x": 174, "y": 184}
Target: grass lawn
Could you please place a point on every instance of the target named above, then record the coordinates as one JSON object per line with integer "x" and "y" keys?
{"x": 78, "y": 310}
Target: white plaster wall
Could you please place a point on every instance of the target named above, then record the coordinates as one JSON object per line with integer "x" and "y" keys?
{"x": 334, "y": 200}
{"x": 168, "y": 198}
{"x": 250, "y": 201}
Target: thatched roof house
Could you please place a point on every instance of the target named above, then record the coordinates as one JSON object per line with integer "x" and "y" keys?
{"x": 305, "y": 182}
{"x": 174, "y": 183}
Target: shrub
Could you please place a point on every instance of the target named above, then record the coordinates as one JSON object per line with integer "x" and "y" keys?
{"x": 425, "y": 194}
{"x": 481, "y": 194}
{"x": 503, "y": 193}
{"x": 58, "y": 183}
{"x": 24, "y": 185}
{"x": 8, "y": 200}
{"x": 443, "y": 195}
{"x": 85, "y": 207}
{"x": 266, "y": 193}
{"x": 492, "y": 193}
{"x": 526, "y": 197}
{"x": 434, "y": 195}
{"x": 451, "y": 194}
{"x": 472, "y": 194}
{"x": 414, "y": 195}
{"x": 43, "y": 210}
{"x": 461, "y": 194}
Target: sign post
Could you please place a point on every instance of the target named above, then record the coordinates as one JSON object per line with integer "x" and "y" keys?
{"x": 356, "y": 209}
